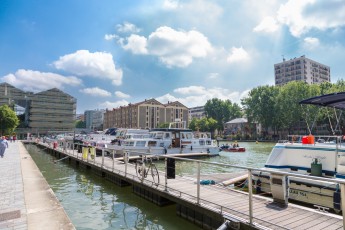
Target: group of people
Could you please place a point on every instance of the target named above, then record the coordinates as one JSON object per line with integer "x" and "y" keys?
{"x": 3, "y": 146}
{"x": 12, "y": 138}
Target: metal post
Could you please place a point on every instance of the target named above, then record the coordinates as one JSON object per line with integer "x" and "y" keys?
{"x": 126, "y": 162}
{"x": 94, "y": 156}
{"x": 64, "y": 146}
{"x": 198, "y": 183}
{"x": 143, "y": 168}
{"x": 73, "y": 148}
{"x": 342, "y": 198}
{"x": 78, "y": 151}
{"x": 166, "y": 174}
{"x": 102, "y": 157}
{"x": 113, "y": 159}
{"x": 250, "y": 191}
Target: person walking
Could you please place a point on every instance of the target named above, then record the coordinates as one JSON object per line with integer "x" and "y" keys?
{"x": 3, "y": 146}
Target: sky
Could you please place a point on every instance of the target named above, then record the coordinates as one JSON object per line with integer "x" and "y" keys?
{"x": 109, "y": 53}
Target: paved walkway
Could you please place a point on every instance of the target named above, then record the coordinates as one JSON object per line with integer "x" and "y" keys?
{"x": 26, "y": 200}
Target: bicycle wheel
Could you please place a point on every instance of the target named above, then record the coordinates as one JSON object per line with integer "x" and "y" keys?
{"x": 155, "y": 174}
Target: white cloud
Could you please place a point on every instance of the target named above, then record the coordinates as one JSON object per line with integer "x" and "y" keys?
{"x": 196, "y": 98}
{"x": 121, "y": 95}
{"x": 170, "y": 4}
{"x": 302, "y": 16}
{"x": 35, "y": 81}
{"x": 238, "y": 55}
{"x": 84, "y": 63}
{"x": 213, "y": 75}
{"x": 127, "y": 27}
{"x": 191, "y": 90}
{"x": 109, "y": 37}
{"x": 95, "y": 91}
{"x": 135, "y": 43}
{"x": 200, "y": 12}
{"x": 174, "y": 48}
{"x": 310, "y": 42}
{"x": 111, "y": 105}
{"x": 268, "y": 25}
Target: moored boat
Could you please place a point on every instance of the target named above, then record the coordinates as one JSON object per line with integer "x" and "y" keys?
{"x": 167, "y": 141}
{"x": 317, "y": 156}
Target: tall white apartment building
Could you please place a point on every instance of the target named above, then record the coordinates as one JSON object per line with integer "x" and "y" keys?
{"x": 301, "y": 69}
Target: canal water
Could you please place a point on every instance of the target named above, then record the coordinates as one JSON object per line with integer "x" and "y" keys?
{"x": 91, "y": 202}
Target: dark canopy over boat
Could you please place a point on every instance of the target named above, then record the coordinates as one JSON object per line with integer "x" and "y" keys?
{"x": 334, "y": 100}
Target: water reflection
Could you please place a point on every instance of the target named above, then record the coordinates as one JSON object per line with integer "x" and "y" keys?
{"x": 91, "y": 202}
{"x": 255, "y": 156}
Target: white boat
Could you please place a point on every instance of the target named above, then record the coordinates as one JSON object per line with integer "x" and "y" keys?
{"x": 104, "y": 137}
{"x": 99, "y": 140}
{"x": 320, "y": 156}
{"x": 167, "y": 141}
{"x": 123, "y": 133}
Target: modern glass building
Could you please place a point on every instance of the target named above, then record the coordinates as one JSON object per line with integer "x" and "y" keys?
{"x": 47, "y": 111}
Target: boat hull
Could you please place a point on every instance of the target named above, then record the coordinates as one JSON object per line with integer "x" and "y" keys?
{"x": 301, "y": 158}
{"x": 239, "y": 149}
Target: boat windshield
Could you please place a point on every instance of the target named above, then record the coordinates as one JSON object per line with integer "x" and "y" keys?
{"x": 186, "y": 135}
{"x": 156, "y": 135}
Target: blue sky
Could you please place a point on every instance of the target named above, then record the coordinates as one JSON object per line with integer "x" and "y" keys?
{"x": 109, "y": 53}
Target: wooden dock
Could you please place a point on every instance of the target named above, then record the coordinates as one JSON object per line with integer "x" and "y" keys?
{"x": 210, "y": 205}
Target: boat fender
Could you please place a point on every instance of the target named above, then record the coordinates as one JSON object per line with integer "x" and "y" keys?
{"x": 336, "y": 199}
{"x": 191, "y": 148}
{"x": 225, "y": 226}
{"x": 165, "y": 150}
{"x": 207, "y": 182}
{"x": 258, "y": 186}
{"x": 208, "y": 150}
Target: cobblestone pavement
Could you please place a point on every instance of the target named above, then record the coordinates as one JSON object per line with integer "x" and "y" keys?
{"x": 26, "y": 200}
{"x": 12, "y": 202}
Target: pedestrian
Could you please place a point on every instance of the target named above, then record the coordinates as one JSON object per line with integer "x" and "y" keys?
{"x": 3, "y": 146}
{"x": 14, "y": 138}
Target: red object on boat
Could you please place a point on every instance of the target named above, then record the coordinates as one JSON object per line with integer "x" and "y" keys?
{"x": 238, "y": 149}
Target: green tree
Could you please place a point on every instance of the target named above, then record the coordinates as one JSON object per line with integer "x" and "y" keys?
{"x": 260, "y": 106}
{"x": 193, "y": 125}
{"x": 212, "y": 125}
{"x": 203, "y": 124}
{"x": 163, "y": 125}
{"x": 291, "y": 113}
{"x": 330, "y": 117}
{"x": 80, "y": 124}
{"x": 222, "y": 111}
{"x": 8, "y": 120}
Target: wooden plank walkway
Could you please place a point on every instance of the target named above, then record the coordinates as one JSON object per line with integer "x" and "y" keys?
{"x": 224, "y": 200}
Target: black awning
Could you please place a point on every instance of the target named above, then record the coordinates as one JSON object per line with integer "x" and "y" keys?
{"x": 333, "y": 100}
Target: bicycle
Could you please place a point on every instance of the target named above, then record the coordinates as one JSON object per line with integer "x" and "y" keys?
{"x": 146, "y": 166}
